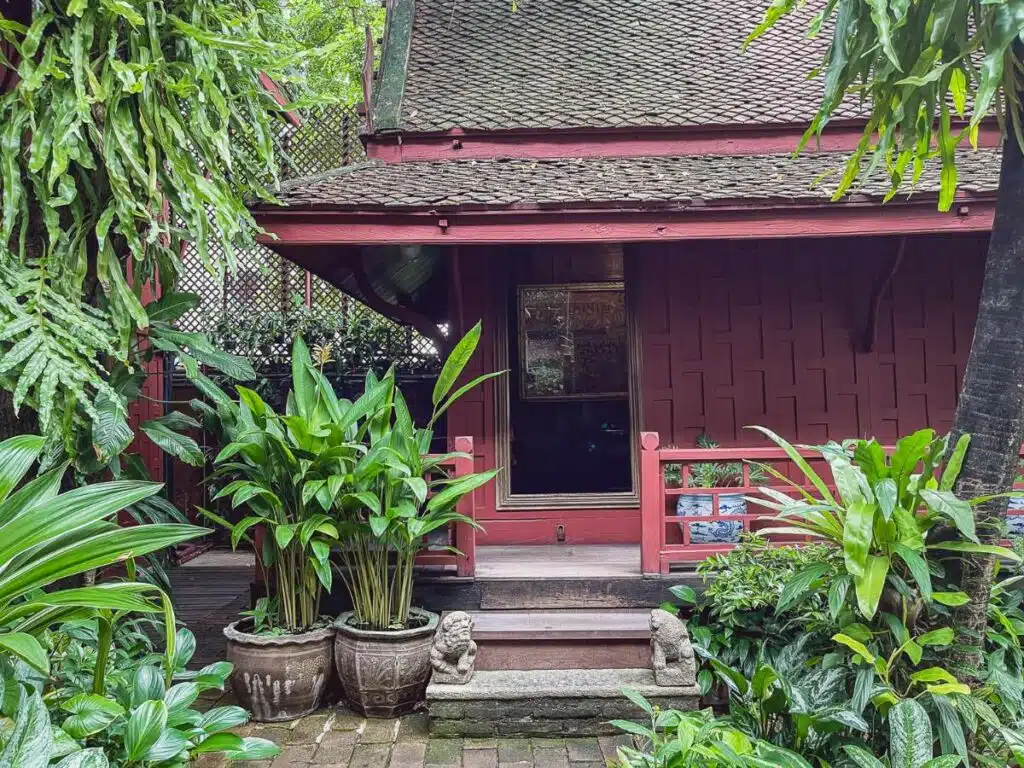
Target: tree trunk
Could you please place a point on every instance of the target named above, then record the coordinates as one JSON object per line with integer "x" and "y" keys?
{"x": 991, "y": 405}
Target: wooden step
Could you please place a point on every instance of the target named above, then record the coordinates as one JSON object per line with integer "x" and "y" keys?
{"x": 562, "y": 639}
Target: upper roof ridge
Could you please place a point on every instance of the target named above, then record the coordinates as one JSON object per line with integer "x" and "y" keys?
{"x": 480, "y": 65}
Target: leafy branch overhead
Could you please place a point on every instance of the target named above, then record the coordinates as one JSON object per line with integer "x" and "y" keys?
{"x": 121, "y": 114}
{"x": 928, "y": 73}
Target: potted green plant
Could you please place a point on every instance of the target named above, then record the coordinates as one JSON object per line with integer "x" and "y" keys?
{"x": 713, "y": 474}
{"x": 287, "y": 470}
{"x": 400, "y": 493}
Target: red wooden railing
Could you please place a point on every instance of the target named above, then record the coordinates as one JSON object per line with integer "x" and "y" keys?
{"x": 463, "y": 536}
{"x": 667, "y": 538}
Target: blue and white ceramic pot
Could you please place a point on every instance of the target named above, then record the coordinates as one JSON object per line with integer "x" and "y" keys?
{"x": 714, "y": 531}
{"x": 1015, "y": 523}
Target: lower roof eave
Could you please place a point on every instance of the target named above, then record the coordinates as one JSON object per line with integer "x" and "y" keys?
{"x": 307, "y": 227}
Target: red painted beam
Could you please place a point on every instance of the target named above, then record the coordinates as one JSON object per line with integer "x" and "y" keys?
{"x": 308, "y": 228}
{"x": 637, "y": 142}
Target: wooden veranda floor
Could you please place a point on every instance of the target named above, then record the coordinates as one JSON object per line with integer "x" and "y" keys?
{"x": 559, "y": 561}
{"x": 208, "y": 594}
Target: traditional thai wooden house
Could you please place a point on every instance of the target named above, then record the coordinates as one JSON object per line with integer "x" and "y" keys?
{"x": 610, "y": 188}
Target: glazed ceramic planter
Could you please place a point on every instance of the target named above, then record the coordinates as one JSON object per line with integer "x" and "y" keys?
{"x": 384, "y": 673}
{"x": 279, "y": 677}
{"x": 713, "y": 531}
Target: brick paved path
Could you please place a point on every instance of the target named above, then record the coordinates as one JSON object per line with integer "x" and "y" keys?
{"x": 337, "y": 738}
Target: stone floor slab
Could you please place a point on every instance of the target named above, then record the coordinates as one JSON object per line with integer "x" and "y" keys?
{"x": 515, "y": 751}
{"x": 370, "y": 756}
{"x": 443, "y": 752}
{"x": 480, "y": 758}
{"x": 584, "y": 751}
{"x": 335, "y": 747}
{"x": 550, "y": 758}
{"x": 296, "y": 753}
{"x": 379, "y": 731}
{"x": 408, "y": 754}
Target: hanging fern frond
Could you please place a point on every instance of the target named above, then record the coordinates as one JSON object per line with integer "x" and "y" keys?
{"x": 128, "y": 124}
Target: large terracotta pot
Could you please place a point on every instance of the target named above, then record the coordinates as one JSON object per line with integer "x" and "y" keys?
{"x": 279, "y": 677}
{"x": 384, "y": 673}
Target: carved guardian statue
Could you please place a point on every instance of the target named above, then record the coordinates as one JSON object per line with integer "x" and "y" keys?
{"x": 453, "y": 653}
{"x": 671, "y": 652}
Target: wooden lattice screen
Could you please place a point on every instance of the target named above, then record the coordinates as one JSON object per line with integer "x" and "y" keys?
{"x": 264, "y": 284}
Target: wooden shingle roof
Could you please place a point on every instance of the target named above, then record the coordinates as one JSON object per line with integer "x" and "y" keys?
{"x": 479, "y": 64}
{"x": 619, "y": 182}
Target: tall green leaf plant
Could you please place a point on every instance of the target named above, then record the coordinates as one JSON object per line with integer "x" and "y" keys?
{"x": 398, "y": 492}
{"x": 888, "y": 514}
{"x": 47, "y": 536}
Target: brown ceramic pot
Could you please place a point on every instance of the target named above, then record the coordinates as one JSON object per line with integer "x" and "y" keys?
{"x": 384, "y": 673}
{"x": 279, "y": 677}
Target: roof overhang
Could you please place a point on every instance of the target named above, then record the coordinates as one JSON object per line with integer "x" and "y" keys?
{"x": 293, "y": 228}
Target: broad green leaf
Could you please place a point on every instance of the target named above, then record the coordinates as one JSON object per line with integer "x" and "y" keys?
{"x": 954, "y": 463}
{"x": 933, "y": 675}
{"x": 17, "y": 455}
{"x": 90, "y": 714}
{"x": 942, "y": 636}
{"x": 457, "y": 360}
{"x": 958, "y": 511}
{"x": 178, "y": 445}
{"x": 952, "y": 599}
{"x": 254, "y": 748}
{"x": 910, "y": 735}
{"x": 799, "y": 584}
{"x": 980, "y": 549}
{"x": 27, "y": 648}
{"x": 145, "y": 726}
{"x": 887, "y": 496}
{"x": 869, "y": 586}
{"x": 87, "y": 758}
{"x": 918, "y": 569}
{"x": 31, "y": 742}
{"x": 943, "y": 689}
{"x": 856, "y": 646}
{"x": 857, "y": 533}
{"x": 861, "y": 757}
{"x": 148, "y": 685}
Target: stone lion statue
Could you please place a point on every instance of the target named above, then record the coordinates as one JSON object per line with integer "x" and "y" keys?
{"x": 453, "y": 653}
{"x": 671, "y": 652}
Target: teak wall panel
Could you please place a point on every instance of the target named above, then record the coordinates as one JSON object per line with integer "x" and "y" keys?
{"x": 738, "y": 333}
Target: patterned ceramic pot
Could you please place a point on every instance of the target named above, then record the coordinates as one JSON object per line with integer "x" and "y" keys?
{"x": 384, "y": 674}
{"x": 279, "y": 677}
{"x": 1015, "y": 523}
{"x": 715, "y": 531}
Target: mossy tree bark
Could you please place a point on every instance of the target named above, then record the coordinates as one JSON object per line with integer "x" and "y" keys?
{"x": 991, "y": 405}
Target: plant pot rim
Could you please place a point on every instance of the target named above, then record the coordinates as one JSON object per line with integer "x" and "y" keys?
{"x": 389, "y": 635}
{"x": 234, "y": 634}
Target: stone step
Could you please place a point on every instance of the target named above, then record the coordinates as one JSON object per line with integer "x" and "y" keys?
{"x": 540, "y": 703}
{"x": 562, "y": 639}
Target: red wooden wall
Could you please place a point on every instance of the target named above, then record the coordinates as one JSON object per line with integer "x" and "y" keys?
{"x": 763, "y": 333}
{"x": 738, "y": 333}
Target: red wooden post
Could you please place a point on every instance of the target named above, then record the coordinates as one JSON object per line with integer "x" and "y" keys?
{"x": 652, "y": 504}
{"x": 465, "y": 535}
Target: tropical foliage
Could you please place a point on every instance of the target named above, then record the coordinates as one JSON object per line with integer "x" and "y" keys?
{"x": 341, "y": 26}
{"x": 135, "y": 719}
{"x": 887, "y": 514}
{"x": 929, "y": 73}
{"x": 797, "y": 656}
{"x": 50, "y": 536}
{"x": 287, "y": 470}
{"x": 115, "y": 150}
{"x": 400, "y": 492}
